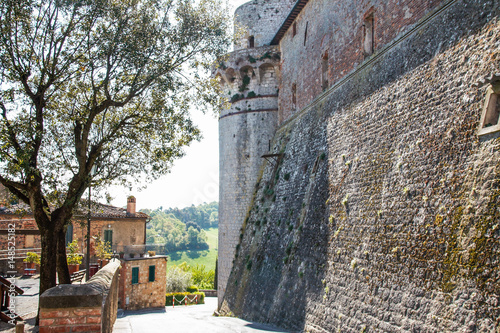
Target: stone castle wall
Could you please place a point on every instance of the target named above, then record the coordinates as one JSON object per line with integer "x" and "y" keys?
{"x": 383, "y": 214}
{"x": 334, "y": 32}
{"x": 261, "y": 19}
{"x": 249, "y": 77}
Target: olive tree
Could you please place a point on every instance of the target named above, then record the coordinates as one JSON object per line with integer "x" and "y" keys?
{"x": 103, "y": 84}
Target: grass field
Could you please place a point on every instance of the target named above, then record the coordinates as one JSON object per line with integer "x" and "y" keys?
{"x": 205, "y": 257}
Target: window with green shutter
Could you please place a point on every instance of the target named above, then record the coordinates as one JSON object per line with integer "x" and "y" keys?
{"x": 152, "y": 273}
{"x": 108, "y": 236}
{"x": 135, "y": 275}
{"x": 69, "y": 234}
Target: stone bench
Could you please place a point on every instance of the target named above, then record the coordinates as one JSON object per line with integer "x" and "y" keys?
{"x": 77, "y": 276}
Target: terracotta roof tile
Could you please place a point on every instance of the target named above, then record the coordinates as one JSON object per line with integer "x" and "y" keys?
{"x": 98, "y": 211}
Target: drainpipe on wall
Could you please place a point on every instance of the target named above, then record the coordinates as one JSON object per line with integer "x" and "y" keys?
{"x": 147, "y": 221}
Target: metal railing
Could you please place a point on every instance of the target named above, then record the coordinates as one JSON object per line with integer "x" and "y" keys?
{"x": 19, "y": 253}
{"x": 136, "y": 251}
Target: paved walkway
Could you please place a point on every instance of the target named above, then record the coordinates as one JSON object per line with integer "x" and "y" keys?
{"x": 185, "y": 319}
{"x": 26, "y": 304}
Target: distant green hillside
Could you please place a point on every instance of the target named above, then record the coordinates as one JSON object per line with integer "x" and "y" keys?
{"x": 188, "y": 234}
{"x": 205, "y": 215}
{"x": 201, "y": 257}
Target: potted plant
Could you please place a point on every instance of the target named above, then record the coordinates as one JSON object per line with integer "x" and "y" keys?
{"x": 102, "y": 251}
{"x": 122, "y": 254}
{"x": 151, "y": 253}
{"x": 131, "y": 255}
{"x": 73, "y": 257}
{"x": 29, "y": 263}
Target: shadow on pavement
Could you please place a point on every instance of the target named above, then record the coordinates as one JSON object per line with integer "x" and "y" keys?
{"x": 262, "y": 327}
{"x": 121, "y": 313}
{"x": 192, "y": 318}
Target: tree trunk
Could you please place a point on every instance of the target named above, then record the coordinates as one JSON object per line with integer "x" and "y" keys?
{"x": 47, "y": 261}
{"x": 62, "y": 263}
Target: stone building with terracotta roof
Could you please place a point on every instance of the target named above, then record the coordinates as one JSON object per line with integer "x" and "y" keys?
{"x": 124, "y": 229}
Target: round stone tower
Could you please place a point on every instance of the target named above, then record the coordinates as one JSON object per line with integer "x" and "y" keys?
{"x": 250, "y": 79}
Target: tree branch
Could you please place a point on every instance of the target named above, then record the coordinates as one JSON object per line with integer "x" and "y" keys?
{"x": 10, "y": 130}
{"x": 16, "y": 189}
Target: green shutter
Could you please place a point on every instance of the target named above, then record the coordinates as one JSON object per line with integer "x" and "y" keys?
{"x": 152, "y": 273}
{"x": 135, "y": 275}
{"x": 69, "y": 234}
{"x": 108, "y": 236}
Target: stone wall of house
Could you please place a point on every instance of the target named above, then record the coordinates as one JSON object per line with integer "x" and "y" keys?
{"x": 383, "y": 214}
{"x": 24, "y": 241}
{"x": 126, "y": 231}
{"x": 144, "y": 294}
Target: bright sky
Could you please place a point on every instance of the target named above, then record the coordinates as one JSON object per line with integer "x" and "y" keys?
{"x": 194, "y": 179}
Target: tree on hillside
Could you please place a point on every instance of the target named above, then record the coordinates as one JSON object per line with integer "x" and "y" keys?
{"x": 97, "y": 84}
{"x": 204, "y": 215}
{"x": 165, "y": 229}
{"x": 214, "y": 218}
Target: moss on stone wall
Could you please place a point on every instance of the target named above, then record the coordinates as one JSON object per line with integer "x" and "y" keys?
{"x": 405, "y": 236}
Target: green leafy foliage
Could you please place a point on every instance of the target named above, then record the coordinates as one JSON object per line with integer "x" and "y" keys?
{"x": 181, "y": 229}
{"x": 178, "y": 280}
{"x": 102, "y": 249}
{"x": 237, "y": 97}
{"x": 205, "y": 215}
{"x": 183, "y": 277}
{"x": 172, "y": 233}
{"x": 245, "y": 83}
{"x": 192, "y": 289}
{"x": 104, "y": 84}
{"x": 32, "y": 257}
{"x": 73, "y": 257}
{"x": 109, "y": 81}
{"x": 201, "y": 277}
{"x": 201, "y": 257}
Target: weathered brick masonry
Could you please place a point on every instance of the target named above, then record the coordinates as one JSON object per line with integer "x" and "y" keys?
{"x": 88, "y": 307}
{"x": 335, "y": 29}
{"x": 29, "y": 239}
{"x": 383, "y": 214}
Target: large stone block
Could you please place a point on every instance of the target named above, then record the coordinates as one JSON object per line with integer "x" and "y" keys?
{"x": 89, "y": 307}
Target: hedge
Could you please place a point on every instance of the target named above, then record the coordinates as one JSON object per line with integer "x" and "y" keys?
{"x": 192, "y": 289}
{"x": 180, "y": 296}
